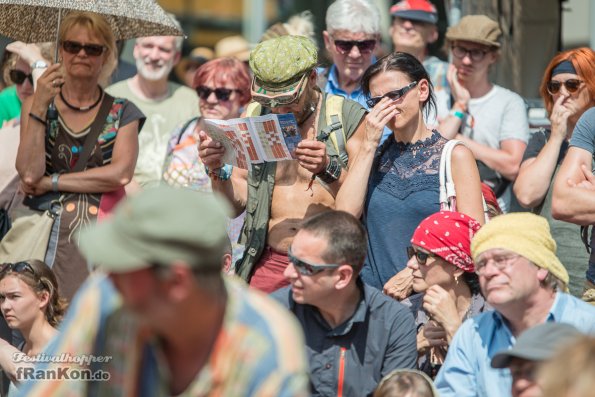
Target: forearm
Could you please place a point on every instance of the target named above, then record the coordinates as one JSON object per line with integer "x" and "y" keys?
{"x": 449, "y": 127}
{"x": 499, "y": 160}
{"x": 30, "y": 162}
{"x": 534, "y": 177}
{"x": 352, "y": 194}
{"x": 571, "y": 203}
{"x": 95, "y": 180}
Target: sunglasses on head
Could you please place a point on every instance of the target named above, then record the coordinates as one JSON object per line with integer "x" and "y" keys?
{"x": 18, "y": 267}
{"x": 305, "y": 268}
{"x": 74, "y": 47}
{"x": 222, "y": 94}
{"x": 420, "y": 256}
{"x": 572, "y": 86}
{"x": 19, "y": 77}
{"x": 394, "y": 95}
{"x": 281, "y": 99}
{"x": 363, "y": 46}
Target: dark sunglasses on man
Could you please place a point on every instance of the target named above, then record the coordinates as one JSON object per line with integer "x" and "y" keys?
{"x": 363, "y": 46}
{"x": 222, "y": 94}
{"x": 572, "y": 86}
{"x": 305, "y": 268}
{"x": 394, "y": 95}
{"x": 74, "y": 47}
{"x": 18, "y": 76}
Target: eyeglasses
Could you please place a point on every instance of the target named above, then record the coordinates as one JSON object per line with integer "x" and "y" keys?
{"x": 420, "y": 256}
{"x": 308, "y": 269}
{"x": 18, "y": 267}
{"x": 394, "y": 95}
{"x": 476, "y": 55}
{"x": 74, "y": 47}
{"x": 222, "y": 94}
{"x": 572, "y": 86}
{"x": 281, "y": 99}
{"x": 18, "y": 77}
{"x": 500, "y": 262}
{"x": 363, "y": 46}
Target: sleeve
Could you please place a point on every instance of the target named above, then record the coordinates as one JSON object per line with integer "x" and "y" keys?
{"x": 515, "y": 124}
{"x": 402, "y": 351}
{"x": 130, "y": 113}
{"x": 536, "y": 143}
{"x": 353, "y": 113}
{"x": 456, "y": 377}
{"x": 583, "y": 135}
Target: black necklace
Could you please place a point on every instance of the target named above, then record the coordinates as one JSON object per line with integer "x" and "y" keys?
{"x": 82, "y": 108}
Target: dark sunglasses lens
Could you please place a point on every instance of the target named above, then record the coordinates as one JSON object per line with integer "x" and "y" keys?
{"x": 17, "y": 76}
{"x": 223, "y": 94}
{"x": 366, "y": 46}
{"x": 372, "y": 102}
{"x": 553, "y": 87}
{"x": 410, "y": 252}
{"x": 203, "y": 92}
{"x": 93, "y": 50}
{"x": 422, "y": 257}
{"x": 344, "y": 46}
{"x": 72, "y": 47}
{"x": 572, "y": 85}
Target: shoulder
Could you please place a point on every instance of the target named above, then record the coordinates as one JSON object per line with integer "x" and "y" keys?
{"x": 181, "y": 91}
{"x": 119, "y": 89}
{"x": 577, "y": 312}
{"x": 461, "y": 153}
{"x": 390, "y": 309}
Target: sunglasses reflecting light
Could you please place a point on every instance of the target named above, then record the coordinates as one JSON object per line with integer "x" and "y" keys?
{"x": 363, "y": 46}
{"x": 308, "y": 269}
{"x": 420, "y": 256}
{"x": 222, "y": 94}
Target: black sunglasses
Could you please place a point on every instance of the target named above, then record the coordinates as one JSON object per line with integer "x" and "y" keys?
{"x": 364, "y": 46}
{"x": 18, "y": 267}
{"x": 421, "y": 257}
{"x": 74, "y": 47}
{"x": 394, "y": 95}
{"x": 305, "y": 268}
{"x": 572, "y": 86}
{"x": 222, "y": 94}
{"x": 19, "y": 77}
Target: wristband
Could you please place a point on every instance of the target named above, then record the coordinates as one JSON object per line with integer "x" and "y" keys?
{"x": 37, "y": 118}
{"x": 222, "y": 173}
{"x": 332, "y": 172}
{"x": 458, "y": 114}
{"x": 54, "y": 179}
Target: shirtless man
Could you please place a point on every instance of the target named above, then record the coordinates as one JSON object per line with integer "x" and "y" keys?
{"x": 285, "y": 82}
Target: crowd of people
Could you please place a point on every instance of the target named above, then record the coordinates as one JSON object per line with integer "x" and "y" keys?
{"x": 386, "y": 259}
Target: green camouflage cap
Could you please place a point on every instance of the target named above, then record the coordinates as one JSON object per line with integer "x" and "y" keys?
{"x": 279, "y": 64}
{"x": 159, "y": 226}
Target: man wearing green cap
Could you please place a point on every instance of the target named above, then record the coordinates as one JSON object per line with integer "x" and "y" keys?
{"x": 522, "y": 279}
{"x": 277, "y": 196}
{"x": 166, "y": 322}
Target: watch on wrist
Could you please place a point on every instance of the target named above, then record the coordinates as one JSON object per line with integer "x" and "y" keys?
{"x": 39, "y": 64}
{"x": 332, "y": 172}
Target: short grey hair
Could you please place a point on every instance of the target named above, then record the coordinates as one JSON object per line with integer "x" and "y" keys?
{"x": 354, "y": 16}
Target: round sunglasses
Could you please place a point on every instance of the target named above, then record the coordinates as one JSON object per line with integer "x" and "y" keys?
{"x": 18, "y": 76}
{"x": 74, "y": 47}
{"x": 572, "y": 86}
{"x": 222, "y": 94}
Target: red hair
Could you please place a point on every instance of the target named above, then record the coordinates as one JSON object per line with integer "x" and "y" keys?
{"x": 583, "y": 60}
{"x": 224, "y": 70}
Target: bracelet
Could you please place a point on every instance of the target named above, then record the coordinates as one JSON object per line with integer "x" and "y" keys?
{"x": 54, "y": 179}
{"x": 332, "y": 172}
{"x": 37, "y": 118}
{"x": 458, "y": 114}
{"x": 222, "y": 173}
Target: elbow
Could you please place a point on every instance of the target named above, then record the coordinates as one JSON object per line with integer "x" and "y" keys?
{"x": 524, "y": 197}
{"x": 510, "y": 170}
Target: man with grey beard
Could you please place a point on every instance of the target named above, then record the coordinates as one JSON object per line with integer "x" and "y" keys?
{"x": 165, "y": 104}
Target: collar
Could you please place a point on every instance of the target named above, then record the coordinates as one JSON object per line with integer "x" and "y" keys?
{"x": 359, "y": 316}
{"x": 554, "y": 315}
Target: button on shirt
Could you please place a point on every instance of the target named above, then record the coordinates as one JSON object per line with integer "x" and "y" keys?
{"x": 467, "y": 371}
{"x": 354, "y": 356}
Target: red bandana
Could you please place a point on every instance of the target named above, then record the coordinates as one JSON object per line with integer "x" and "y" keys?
{"x": 448, "y": 234}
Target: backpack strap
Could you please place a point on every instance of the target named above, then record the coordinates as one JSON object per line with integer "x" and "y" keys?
{"x": 334, "y": 116}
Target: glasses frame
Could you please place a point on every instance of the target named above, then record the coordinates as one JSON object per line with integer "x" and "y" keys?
{"x": 18, "y": 76}
{"x": 283, "y": 98}
{"x": 74, "y": 47}
{"x": 221, "y": 93}
{"x": 306, "y": 268}
{"x": 420, "y": 256}
{"x": 569, "y": 84}
{"x": 476, "y": 55}
{"x": 17, "y": 267}
{"x": 393, "y": 95}
{"x": 501, "y": 262}
{"x": 363, "y": 46}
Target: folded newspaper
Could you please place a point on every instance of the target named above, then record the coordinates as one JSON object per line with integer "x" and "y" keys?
{"x": 252, "y": 140}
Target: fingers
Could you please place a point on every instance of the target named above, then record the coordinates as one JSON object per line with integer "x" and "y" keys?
{"x": 211, "y": 152}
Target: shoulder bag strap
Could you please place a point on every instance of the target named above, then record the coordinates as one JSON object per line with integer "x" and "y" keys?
{"x": 96, "y": 128}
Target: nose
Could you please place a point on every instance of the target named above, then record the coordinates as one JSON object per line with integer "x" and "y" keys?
{"x": 467, "y": 58}
{"x": 212, "y": 98}
{"x": 354, "y": 52}
{"x": 290, "y": 273}
{"x": 412, "y": 263}
{"x": 407, "y": 24}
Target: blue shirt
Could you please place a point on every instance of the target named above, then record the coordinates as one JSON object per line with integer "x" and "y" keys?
{"x": 332, "y": 86}
{"x": 467, "y": 371}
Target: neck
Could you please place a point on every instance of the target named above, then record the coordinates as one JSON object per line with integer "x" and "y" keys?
{"x": 418, "y": 52}
{"x": 38, "y": 335}
{"x": 341, "y": 306}
{"x": 525, "y": 314}
{"x": 346, "y": 84}
{"x": 478, "y": 88}
{"x": 80, "y": 91}
{"x": 415, "y": 131}
{"x": 461, "y": 296}
{"x": 149, "y": 89}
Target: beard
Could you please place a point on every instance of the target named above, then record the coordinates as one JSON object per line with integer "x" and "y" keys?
{"x": 308, "y": 109}
{"x": 163, "y": 68}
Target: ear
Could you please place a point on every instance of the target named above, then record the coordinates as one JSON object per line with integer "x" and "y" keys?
{"x": 226, "y": 263}
{"x": 313, "y": 78}
{"x": 542, "y": 274}
{"x": 345, "y": 275}
{"x": 432, "y": 35}
{"x": 135, "y": 50}
{"x": 458, "y": 272}
{"x": 327, "y": 40}
{"x": 44, "y": 299}
{"x": 424, "y": 90}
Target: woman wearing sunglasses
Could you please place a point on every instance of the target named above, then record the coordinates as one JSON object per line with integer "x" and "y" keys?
{"x": 568, "y": 90}
{"x": 50, "y": 146}
{"x": 31, "y": 303}
{"x": 402, "y": 174}
{"x": 445, "y": 282}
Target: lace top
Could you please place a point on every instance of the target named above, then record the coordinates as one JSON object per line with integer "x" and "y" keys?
{"x": 402, "y": 191}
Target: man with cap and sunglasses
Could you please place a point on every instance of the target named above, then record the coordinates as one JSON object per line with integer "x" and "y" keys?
{"x": 355, "y": 335}
{"x": 413, "y": 29}
{"x": 523, "y": 280}
{"x": 167, "y": 322}
{"x": 489, "y": 119}
{"x": 277, "y": 196}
